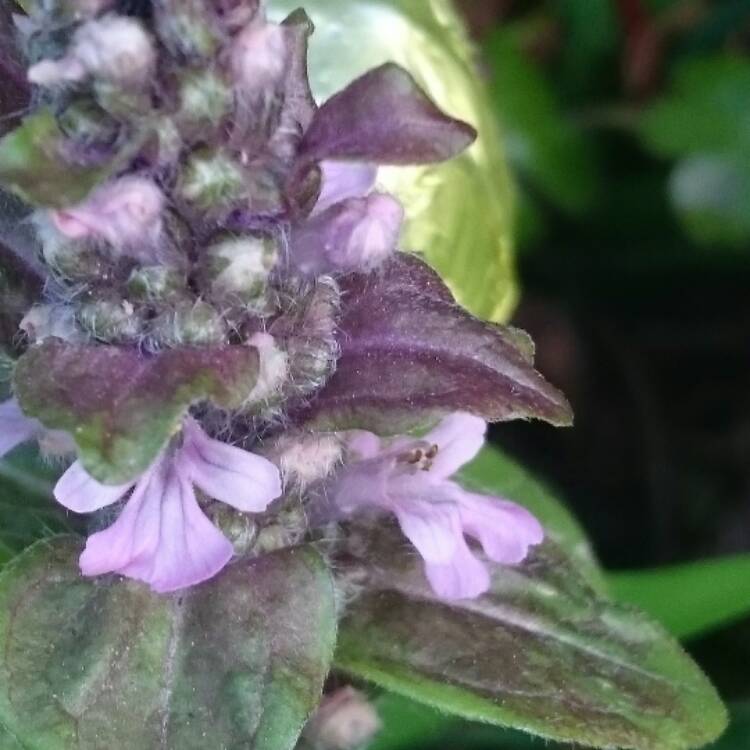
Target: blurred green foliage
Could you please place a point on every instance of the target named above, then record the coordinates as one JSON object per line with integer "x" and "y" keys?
{"x": 578, "y": 84}
{"x": 689, "y": 599}
{"x": 702, "y": 124}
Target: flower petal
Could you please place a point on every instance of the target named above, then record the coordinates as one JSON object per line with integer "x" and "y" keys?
{"x": 162, "y": 536}
{"x": 435, "y": 530}
{"x": 78, "y": 491}
{"x": 362, "y": 444}
{"x": 357, "y": 234}
{"x": 362, "y": 484}
{"x": 229, "y": 474}
{"x": 505, "y": 530}
{"x": 459, "y": 437}
{"x": 343, "y": 180}
{"x": 15, "y": 426}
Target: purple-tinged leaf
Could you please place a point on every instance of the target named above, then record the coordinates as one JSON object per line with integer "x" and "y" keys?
{"x": 299, "y": 103}
{"x": 122, "y": 406}
{"x": 385, "y": 118}
{"x": 410, "y": 354}
{"x": 541, "y": 651}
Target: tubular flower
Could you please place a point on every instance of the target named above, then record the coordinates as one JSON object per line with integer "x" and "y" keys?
{"x": 162, "y": 536}
{"x": 412, "y": 479}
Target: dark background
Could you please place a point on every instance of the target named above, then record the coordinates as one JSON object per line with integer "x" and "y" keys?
{"x": 639, "y": 307}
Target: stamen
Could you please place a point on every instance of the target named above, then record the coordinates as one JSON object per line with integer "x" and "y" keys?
{"x": 414, "y": 457}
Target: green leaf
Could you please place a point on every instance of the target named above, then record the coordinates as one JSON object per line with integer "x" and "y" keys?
{"x": 237, "y": 662}
{"x": 122, "y": 406}
{"x": 542, "y": 652}
{"x": 32, "y": 164}
{"x": 456, "y": 235}
{"x": 691, "y": 599}
{"x": 35, "y": 163}
{"x": 28, "y": 511}
{"x": 495, "y": 473}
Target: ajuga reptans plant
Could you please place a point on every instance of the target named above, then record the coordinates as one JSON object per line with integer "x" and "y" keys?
{"x": 260, "y": 399}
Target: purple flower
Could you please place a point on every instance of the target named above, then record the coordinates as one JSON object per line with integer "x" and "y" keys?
{"x": 343, "y": 180}
{"x": 15, "y": 426}
{"x": 357, "y": 234}
{"x": 162, "y": 536}
{"x": 351, "y": 228}
{"x": 411, "y": 479}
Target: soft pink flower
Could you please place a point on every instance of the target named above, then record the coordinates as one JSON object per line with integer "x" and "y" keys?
{"x": 126, "y": 213}
{"x": 16, "y": 427}
{"x": 351, "y": 228}
{"x": 411, "y": 479}
{"x": 356, "y": 234}
{"x": 162, "y": 536}
{"x": 259, "y": 57}
{"x": 114, "y": 48}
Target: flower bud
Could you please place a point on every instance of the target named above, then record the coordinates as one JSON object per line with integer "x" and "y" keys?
{"x": 236, "y": 270}
{"x": 188, "y": 324}
{"x": 86, "y": 124}
{"x": 156, "y": 284}
{"x": 205, "y": 102}
{"x": 212, "y": 182}
{"x": 239, "y": 528}
{"x": 236, "y": 14}
{"x": 287, "y": 529}
{"x": 273, "y": 370}
{"x": 187, "y": 29}
{"x": 258, "y": 64}
{"x": 72, "y": 260}
{"x": 111, "y": 321}
{"x": 307, "y": 333}
{"x": 48, "y": 321}
{"x": 165, "y": 147}
{"x": 114, "y": 49}
{"x": 126, "y": 213}
{"x": 345, "y": 720}
{"x": 305, "y": 458}
{"x": 258, "y": 58}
